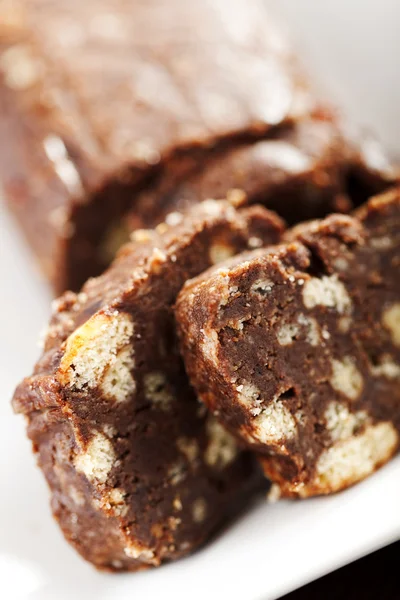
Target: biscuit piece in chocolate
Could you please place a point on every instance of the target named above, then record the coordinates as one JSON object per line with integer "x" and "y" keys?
{"x": 106, "y": 103}
{"x": 139, "y": 472}
{"x": 296, "y": 348}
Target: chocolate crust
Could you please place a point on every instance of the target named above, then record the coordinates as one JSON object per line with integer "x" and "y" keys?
{"x": 92, "y": 151}
{"x": 304, "y": 170}
{"x": 295, "y": 348}
{"x": 139, "y": 472}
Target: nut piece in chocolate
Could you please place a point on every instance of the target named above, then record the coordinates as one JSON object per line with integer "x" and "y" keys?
{"x": 296, "y": 348}
{"x": 139, "y": 471}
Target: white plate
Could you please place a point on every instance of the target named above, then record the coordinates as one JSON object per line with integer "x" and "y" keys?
{"x": 274, "y": 548}
{"x": 354, "y": 47}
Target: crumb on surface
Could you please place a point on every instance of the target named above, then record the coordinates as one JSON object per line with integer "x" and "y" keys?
{"x": 262, "y": 287}
{"x": 141, "y": 235}
{"x": 174, "y": 218}
{"x": 140, "y": 553}
{"x": 211, "y": 207}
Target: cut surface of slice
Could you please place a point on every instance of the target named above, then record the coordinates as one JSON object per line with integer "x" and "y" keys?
{"x": 139, "y": 471}
{"x": 296, "y": 348}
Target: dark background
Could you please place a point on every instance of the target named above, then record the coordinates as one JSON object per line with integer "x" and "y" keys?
{"x": 375, "y": 577}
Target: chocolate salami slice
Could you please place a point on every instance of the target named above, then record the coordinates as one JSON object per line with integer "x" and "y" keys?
{"x": 296, "y": 348}
{"x": 139, "y": 471}
{"x": 107, "y": 109}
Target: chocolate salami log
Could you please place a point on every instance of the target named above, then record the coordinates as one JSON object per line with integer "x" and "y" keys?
{"x": 113, "y": 114}
{"x": 139, "y": 472}
{"x": 296, "y": 348}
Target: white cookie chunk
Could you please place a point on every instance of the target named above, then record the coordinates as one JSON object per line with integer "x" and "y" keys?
{"x": 327, "y": 291}
{"x": 99, "y": 354}
{"x": 97, "y": 459}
